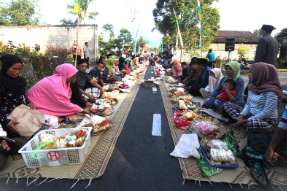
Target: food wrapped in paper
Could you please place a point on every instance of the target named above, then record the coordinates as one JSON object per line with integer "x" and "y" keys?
{"x": 97, "y": 119}
{"x": 181, "y": 104}
{"x": 187, "y": 97}
{"x": 188, "y": 116}
{"x": 222, "y": 155}
{"x": 180, "y": 90}
{"x": 44, "y": 138}
{"x": 217, "y": 144}
{"x": 109, "y": 95}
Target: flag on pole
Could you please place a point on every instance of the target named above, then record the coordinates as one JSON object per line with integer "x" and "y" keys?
{"x": 179, "y": 34}
{"x": 176, "y": 44}
{"x": 76, "y": 7}
{"x": 199, "y": 24}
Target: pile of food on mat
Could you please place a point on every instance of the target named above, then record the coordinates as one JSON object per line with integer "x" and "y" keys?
{"x": 188, "y": 116}
{"x": 99, "y": 124}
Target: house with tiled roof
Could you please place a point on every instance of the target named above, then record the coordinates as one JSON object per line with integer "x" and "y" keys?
{"x": 282, "y": 39}
{"x": 247, "y": 38}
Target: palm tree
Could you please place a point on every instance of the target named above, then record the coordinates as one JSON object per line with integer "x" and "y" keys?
{"x": 84, "y": 4}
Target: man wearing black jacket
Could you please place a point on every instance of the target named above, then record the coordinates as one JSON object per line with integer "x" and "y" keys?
{"x": 203, "y": 78}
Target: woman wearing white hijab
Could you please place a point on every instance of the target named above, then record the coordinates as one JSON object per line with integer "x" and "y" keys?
{"x": 214, "y": 78}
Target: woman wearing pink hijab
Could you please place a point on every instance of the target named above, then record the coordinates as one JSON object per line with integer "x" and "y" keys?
{"x": 176, "y": 69}
{"x": 52, "y": 94}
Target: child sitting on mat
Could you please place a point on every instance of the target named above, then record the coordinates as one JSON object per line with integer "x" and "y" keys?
{"x": 227, "y": 93}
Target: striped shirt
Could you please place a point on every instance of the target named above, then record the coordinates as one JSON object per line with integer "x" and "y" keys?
{"x": 261, "y": 106}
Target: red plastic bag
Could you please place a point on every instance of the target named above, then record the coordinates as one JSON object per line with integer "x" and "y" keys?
{"x": 180, "y": 123}
{"x": 124, "y": 86}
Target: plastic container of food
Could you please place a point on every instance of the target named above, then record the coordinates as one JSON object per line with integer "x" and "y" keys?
{"x": 218, "y": 166}
{"x": 55, "y": 157}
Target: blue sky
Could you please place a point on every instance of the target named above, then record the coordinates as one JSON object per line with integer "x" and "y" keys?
{"x": 245, "y": 15}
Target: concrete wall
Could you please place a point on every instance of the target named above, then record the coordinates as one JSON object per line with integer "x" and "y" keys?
{"x": 52, "y": 35}
{"x": 219, "y": 50}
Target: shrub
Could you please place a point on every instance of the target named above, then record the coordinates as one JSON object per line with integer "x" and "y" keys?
{"x": 242, "y": 51}
{"x": 38, "y": 66}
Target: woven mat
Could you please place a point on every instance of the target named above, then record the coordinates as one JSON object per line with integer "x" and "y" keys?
{"x": 190, "y": 169}
{"x": 98, "y": 155}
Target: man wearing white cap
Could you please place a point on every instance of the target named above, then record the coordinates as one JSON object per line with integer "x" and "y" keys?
{"x": 267, "y": 49}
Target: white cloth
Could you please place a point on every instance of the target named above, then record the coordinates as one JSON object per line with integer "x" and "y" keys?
{"x": 187, "y": 146}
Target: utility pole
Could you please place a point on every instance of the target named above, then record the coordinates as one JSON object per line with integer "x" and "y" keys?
{"x": 134, "y": 21}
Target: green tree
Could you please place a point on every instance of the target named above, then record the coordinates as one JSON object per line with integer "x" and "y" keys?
{"x": 19, "y": 13}
{"x": 67, "y": 21}
{"x": 187, "y": 15}
{"x": 107, "y": 46}
{"x": 277, "y": 35}
{"x": 109, "y": 27}
{"x": 242, "y": 51}
{"x": 126, "y": 36}
{"x": 256, "y": 32}
{"x": 84, "y": 5}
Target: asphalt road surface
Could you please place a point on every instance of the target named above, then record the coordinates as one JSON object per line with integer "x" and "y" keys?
{"x": 140, "y": 161}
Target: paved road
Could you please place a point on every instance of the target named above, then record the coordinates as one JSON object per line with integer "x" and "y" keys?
{"x": 140, "y": 161}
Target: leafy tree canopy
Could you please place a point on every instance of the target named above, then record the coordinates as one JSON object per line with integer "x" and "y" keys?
{"x": 126, "y": 35}
{"x": 19, "y": 13}
{"x": 256, "y": 32}
{"x": 67, "y": 21}
{"x": 109, "y": 27}
{"x": 187, "y": 15}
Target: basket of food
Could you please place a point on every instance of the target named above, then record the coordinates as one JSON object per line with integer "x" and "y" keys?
{"x": 57, "y": 147}
{"x": 217, "y": 154}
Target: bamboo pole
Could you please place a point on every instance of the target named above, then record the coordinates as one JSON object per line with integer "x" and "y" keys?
{"x": 77, "y": 40}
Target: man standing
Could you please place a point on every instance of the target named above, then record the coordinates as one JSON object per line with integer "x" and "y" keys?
{"x": 267, "y": 49}
{"x": 87, "y": 53}
{"x": 83, "y": 79}
{"x": 211, "y": 57}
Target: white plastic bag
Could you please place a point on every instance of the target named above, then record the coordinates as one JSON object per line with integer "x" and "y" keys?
{"x": 187, "y": 146}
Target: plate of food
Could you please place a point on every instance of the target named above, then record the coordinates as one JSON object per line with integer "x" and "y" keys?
{"x": 102, "y": 127}
{"x": 98, "y": 123}
{"x": 103, "y": 110}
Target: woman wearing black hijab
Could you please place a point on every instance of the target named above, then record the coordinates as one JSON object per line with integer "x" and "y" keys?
{"x": 121, "y": 63}
{"x": 12, "y": 91}
{"x": 12, "y": 94}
